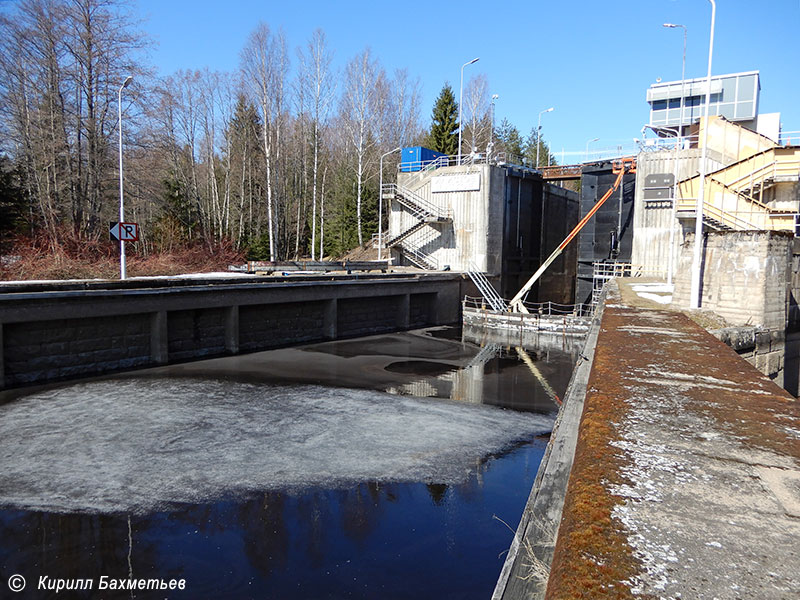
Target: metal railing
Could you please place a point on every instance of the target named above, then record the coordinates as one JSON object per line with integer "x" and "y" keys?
{"x": 417, "y": 206}
{"x": 602, "y": 271}
{"x": 789, "y": 138}
{"x": 477, "y": 158}
{"x": 668, "y": 143}
{"x": 486, "y": 289}
{"x": 412, "y": 250}
{"x": 544, "y": 309}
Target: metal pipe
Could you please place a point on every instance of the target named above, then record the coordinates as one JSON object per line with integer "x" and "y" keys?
{"x": 683, "y": 75}
{"x": 698, "y": 225}
{"x": 587, "y": 147}
{"x": 539, "y": 134}
{"x": 380, "y": 203}
{"x": 122, "y": 273}
{"x": 460, "y": 102}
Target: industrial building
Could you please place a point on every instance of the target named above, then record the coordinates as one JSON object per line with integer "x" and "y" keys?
{"x": 484, "y": 215}
{"x": 680, "y": 104}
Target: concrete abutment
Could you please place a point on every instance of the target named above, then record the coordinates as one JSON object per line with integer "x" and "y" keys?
{"x": 58, "y": 332}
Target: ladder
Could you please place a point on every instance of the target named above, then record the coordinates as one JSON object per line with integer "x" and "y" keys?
{"x": 485, "y": 288}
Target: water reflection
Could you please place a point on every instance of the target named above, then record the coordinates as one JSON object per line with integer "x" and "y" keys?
{"x": 247, "y": 491}
{"x": 369, "y": 540}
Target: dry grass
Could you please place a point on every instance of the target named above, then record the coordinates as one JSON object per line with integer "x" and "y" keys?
{"x": 37, "y": 258}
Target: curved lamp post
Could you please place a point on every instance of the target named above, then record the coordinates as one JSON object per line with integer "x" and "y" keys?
{"x": 460, "y": 102}
{"x": 698, "y": 223}
{"x": 539, "y": 133}
{"x": 587, "y": 147}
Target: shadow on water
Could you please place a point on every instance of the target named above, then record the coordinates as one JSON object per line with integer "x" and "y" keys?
{"x": 250, "y": 477}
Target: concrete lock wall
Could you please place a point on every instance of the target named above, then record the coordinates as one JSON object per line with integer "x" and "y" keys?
{"x": 746, "y": 278}
{"x": 64, "y": 333}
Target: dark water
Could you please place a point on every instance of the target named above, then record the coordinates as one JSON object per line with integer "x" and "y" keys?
{"x": 253, "y": 477}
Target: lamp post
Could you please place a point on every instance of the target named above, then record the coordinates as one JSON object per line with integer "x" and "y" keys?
{"x": 539, "y": 133}
{"x": 491, "y": 129}
{"x": 380, "y": 202}
{"x": 587, "y": 147}
{"x": 460, "y": 102}
{"x": 127, "y": 82}
{"x": 698, "y": 223}
{"x": 683, "y": 75}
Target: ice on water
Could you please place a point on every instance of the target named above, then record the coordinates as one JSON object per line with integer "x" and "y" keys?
{"x": 145, "y": 444}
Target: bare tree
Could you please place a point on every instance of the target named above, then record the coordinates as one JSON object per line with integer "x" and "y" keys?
{"x": 476, "y": 103}
{"x": 364, "y": 88}
{"x": 318, "y": 88}
{"x": 264, "y": 66}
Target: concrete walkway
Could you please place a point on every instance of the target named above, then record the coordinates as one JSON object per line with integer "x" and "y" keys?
{"x": 686, "y": 479}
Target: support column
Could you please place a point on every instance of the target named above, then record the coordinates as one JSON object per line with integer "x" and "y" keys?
{"x": 159, "y": 342}
{"x": 404, "y": 312}
{"x": 232, "y": 330}
{"x": 2, "y": 361}
{"x": 329, "y": 329}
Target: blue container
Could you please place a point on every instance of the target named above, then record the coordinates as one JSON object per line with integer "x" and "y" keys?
{"x": 414, "y": 158}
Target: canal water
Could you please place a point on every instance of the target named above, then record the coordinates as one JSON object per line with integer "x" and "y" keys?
{"x": 391, "y": 466}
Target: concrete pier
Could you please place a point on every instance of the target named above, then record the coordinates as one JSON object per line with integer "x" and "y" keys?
{"x": 58, "y": 331}
{"x": 686, "y": 474}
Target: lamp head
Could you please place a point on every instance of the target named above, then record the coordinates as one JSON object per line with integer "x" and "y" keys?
{"x": 128, "y": 80}
{"x": 474, "y": 60}
{"x": 549, "y": 109}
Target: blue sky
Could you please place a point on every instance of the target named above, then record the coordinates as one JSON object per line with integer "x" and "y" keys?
{"x": 590, "y": 60}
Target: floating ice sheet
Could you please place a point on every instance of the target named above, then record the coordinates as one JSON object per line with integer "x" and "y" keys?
{"x": 144, "y": 444}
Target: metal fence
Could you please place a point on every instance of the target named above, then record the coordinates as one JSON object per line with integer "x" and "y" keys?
{"x": 545, "y": 309}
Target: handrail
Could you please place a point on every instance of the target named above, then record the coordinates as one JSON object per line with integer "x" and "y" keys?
{"x": 546, "y": 309}
{"x": 486, "y": 289}
{"x": 424, "y": 207}
{"x": 479, "y": 158}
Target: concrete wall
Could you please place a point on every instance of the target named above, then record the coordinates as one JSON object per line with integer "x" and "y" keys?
{"x": 67, "y": 333}
{"x": 745, "y": 276}
{"x": 475, "y": 232}
{"x": 506, "y": 228}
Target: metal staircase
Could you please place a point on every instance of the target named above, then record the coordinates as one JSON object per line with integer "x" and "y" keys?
{"x": 425, "y": 214}
{"x": 493, "y": 299}
{"x": 734, "y": 198}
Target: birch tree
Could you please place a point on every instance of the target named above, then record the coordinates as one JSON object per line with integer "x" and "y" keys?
{"x": 317, "y": 90}
{"x": 476, "y": 105}
{"x": 364, "y": 85}
{"x": 264, "y": 65}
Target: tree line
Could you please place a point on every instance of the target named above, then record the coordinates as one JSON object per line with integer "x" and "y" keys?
{"x": 279, "y": 157}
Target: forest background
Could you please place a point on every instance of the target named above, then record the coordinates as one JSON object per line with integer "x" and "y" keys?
{"x": 275, "y": 161}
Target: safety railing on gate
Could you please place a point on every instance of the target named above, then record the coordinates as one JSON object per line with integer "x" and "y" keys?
{"x": 549, "y": 309}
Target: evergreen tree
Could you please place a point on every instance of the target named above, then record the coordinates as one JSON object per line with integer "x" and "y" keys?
{"x": 510, "y": 141}
{"x": 444, "y": 128}
{"x": 545, "y": 157}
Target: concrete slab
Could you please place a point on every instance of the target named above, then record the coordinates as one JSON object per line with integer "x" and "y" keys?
{"x": 686, "y": 479}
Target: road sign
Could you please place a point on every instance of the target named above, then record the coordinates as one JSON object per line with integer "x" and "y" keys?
{"x": 124, "y": 232}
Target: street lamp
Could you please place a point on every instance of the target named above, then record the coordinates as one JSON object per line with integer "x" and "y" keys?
{"x": 587, "y": 147}
{"x": 491, "y": 130}
{"x": 460, "y": 102}
{"x": 127, "y": 82}
{"x": 539, "y": 134}
{"x": 380, "y": 202}
{"x": 683, "y": 74}
{"x": 698, "y": 223}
